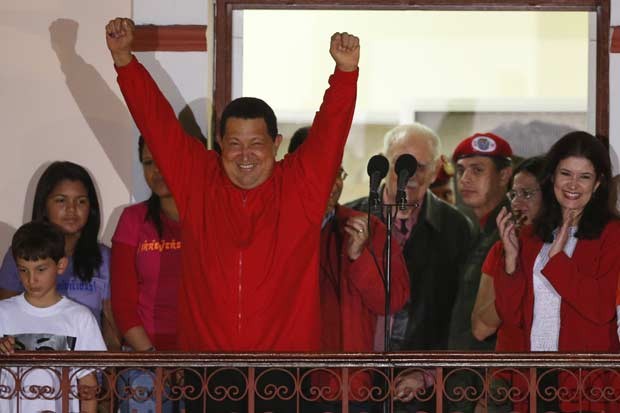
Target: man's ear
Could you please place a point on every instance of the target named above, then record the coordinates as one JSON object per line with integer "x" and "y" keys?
{"x": 218, "y": 138}
{"x": 62, "y": 265}
{"x": 276, "y": 144}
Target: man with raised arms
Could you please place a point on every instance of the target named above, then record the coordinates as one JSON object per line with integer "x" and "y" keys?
{"x": 250, "y": 225}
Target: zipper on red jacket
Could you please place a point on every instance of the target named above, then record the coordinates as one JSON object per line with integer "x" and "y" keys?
{"x": 239, "y": 291}
{"x": 240, "y": 279}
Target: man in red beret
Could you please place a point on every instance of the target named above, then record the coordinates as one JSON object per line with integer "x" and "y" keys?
{"x": 483, "y": 171}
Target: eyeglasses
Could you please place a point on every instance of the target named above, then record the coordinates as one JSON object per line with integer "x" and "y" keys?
{"x": 526, "y": 194}
{"x": 342, "y": 174}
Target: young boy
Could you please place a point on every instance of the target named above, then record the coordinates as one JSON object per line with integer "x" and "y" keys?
{"x": 42, "y": 319}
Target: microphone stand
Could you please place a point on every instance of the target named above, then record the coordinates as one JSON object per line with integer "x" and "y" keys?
{"x": 387, "y": 271}
{"x": 387, "y": 267}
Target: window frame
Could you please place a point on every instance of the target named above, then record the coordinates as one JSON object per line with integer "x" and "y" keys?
{"x": 224, "y": 53}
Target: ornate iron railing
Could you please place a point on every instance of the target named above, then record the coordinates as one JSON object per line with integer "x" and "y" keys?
{"x": 276, "y": 383}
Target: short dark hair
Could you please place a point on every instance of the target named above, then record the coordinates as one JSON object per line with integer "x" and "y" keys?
{"x": 500, "y": 162}
{"x": 298, "y": 138}
{"x": 250, "y": 108}
{"x": 597, "y": 212}
{"x": 38, "y": 241}
{"x": 87, "y": 257}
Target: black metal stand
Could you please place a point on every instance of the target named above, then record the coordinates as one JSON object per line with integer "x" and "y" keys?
{"x": 387, "y": 267}
{"x": 387, "y": 209}
{"x": 387, "y": 271}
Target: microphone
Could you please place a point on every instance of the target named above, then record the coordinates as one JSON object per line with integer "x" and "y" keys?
{"x": 405, "y": 168}
{"x": 377, "y": 169}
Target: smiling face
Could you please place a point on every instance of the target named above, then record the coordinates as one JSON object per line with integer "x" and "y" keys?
{"x": 574, "y": 183}
{"x": 248, "y": 152}
{"x": 39, "y": 279}
{"x": 68, "y": 207}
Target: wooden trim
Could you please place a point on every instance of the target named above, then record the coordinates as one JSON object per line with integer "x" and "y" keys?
{"x": 223, "y": 59}
{"x": 83, "y": 359}
{"x": 418, "y": 4}
{"x": 615, "y": 40}
{"x": 223, "y": 33}
{"x": 177, "y": 38}
{"x": 602, "y": 72}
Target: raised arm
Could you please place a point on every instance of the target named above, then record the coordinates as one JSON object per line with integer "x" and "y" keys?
{"x": 176, "y": 153}
{"x": 320, "y": 156}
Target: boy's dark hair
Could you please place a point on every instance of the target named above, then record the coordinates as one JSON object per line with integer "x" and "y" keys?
{"x": 38, "y": 241}
{"x": 597, "y": 212}
{"x": 250, "y": 108}
{"x": 298, "y": 138}
{"x": 87, "y": 257}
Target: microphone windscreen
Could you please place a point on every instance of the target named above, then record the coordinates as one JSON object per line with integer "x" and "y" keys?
{"x": 378, "y": 163}
{"x": 406, "y": 162}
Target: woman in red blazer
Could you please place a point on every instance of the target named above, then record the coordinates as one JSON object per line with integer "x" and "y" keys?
{"x": 558, "y": 282}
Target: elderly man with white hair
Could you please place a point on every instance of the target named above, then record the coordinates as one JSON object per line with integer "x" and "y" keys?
{"x": 433, "y": 236}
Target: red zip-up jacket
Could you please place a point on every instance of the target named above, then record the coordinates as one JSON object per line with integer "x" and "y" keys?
{"x": 250, "y": 259}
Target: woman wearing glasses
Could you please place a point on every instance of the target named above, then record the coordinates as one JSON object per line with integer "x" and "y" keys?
{"x": 557, "y": 282}
{"x": 525, "y": 202}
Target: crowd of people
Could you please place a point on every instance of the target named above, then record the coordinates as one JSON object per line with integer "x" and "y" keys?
{"x": 237, "y": 252}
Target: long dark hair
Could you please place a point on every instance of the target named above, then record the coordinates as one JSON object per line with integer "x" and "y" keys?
{"x": 597, "y": 211}
{"x": 87, "y": 256}
{"x": 153, "y": 204}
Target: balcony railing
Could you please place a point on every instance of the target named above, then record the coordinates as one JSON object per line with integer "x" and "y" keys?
{"x": 321, "y": 382}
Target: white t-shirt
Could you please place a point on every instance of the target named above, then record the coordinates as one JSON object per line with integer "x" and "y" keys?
{"x": 545, "y": 334}
{"x": 64, "y": 326}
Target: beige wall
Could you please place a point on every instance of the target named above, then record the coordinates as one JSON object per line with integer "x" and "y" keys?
{"x": 59, "y": 101}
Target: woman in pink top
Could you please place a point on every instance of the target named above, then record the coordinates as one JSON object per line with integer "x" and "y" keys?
{"x": 145, "y": 270}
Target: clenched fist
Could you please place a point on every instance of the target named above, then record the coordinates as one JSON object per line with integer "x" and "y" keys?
{"x": 345, "y": 49}
{"x": 119, "y": 37}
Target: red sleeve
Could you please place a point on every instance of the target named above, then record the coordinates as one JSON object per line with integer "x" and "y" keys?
{"x": 618, "y": 293}
{"x": 589, "y": 287}
{"x": 509, "y": 294}
{"x": 365, "y": 276}
{"x": 494, "y": 260}
{"x": 317, "y": 160}
{"x": 124, "y": 286}
{"x": 175, "y": 152}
